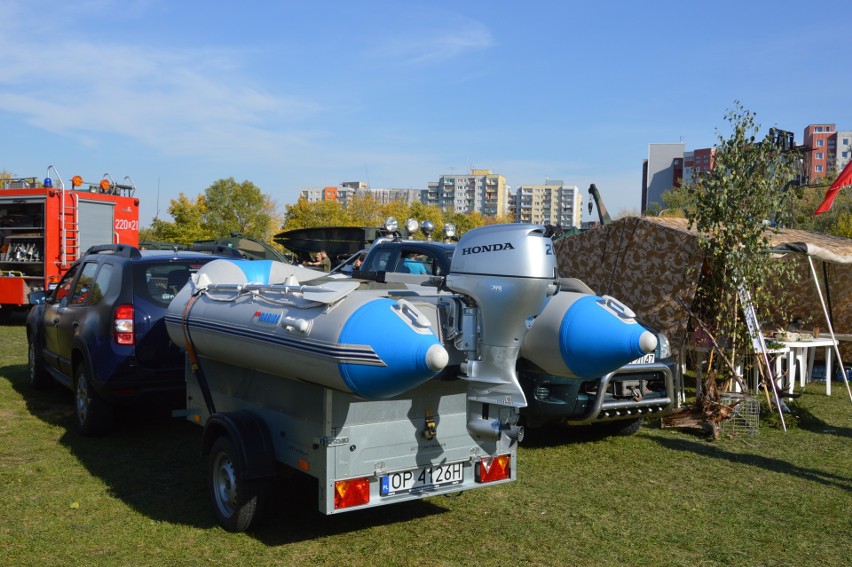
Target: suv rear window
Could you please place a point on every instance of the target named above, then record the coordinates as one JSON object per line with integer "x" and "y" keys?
{"x": 160, "y": 283}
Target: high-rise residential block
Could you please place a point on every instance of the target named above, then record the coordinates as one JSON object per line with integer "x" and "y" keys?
{"x": 480, "y": 191}
{"x": 819, "y": 150}
{"x": 552, "y": 203}
{"x": 348, "y": 189}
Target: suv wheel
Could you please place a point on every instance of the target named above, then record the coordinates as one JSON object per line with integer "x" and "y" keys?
{"x": 37, "y": 375}
{"x": 623, "y": 427}
{"x": 94, "y": 414}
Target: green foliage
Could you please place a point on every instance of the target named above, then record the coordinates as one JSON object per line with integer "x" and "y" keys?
{"x": 304, "y": 214}
{"x": 729, "y": 208}
{"x": 499, "y": 219}
{"x": 398, "y": 209}
{"x": 365, "y": 210}
{"x": 464, "y": 222}
{"x": 239, "y": 207}
{"x": 654, "y": 208}
{"x": 187, "y": 226}
{"x": 803, "y": 204}
{"x": 431, "y": 213}
{"x": 843, "y": 227}
{"x": 223, "y": 208}
{"x": 678, "y": 201}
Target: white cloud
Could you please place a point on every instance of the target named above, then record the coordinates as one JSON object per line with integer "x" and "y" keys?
{"x": 191, "y": 102}
{"x": 436, "y": 46}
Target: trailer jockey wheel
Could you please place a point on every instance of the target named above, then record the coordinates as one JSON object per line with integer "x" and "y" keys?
{"x": 237, "y": 501}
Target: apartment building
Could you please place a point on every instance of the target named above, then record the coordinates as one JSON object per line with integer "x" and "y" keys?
{"x": 324, "y": 194}
{"x": 348, "y": 189}
{"x": 407, "y": 196}
{"x": 695, "y": 163}
{"x": 551, "y": 203}
{"x": 480, "y": 191}
{"x": 819, "y": 150}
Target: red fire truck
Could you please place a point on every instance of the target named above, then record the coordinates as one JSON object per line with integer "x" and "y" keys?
{"x": 45, "y": 226}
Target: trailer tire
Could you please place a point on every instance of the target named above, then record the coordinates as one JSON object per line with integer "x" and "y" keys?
{"x": 94, "y": 414}
{"x": 37, "y": 376}
{"x": 237, "y": 501}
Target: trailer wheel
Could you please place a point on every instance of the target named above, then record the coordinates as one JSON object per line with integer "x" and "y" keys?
{"x": 94, "y": 414}
{"x": 237, "y": 501}
{"x": 37, "y": 375}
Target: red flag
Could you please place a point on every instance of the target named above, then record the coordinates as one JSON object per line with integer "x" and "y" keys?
{"x": 843, "y": 180}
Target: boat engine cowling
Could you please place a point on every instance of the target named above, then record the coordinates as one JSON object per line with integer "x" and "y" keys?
{"x": 508, "y": 273}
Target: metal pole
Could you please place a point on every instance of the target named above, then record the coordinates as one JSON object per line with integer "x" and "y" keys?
{"x": 830, "y": 329}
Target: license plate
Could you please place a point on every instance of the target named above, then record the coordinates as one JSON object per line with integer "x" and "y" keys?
{"x": 647, "y": 359}
{"x": 422, "y": 479}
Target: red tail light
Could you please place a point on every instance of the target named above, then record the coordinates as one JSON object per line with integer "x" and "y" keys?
{"x": 122, "y": 325}
{"x": 494, "y": 468}
{"x": 353, "y": 492}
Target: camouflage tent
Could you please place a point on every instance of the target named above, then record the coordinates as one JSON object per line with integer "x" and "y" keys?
{"x": 650, "y": 262}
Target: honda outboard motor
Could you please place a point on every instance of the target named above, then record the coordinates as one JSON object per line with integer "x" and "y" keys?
{"x": 508, "y": 274}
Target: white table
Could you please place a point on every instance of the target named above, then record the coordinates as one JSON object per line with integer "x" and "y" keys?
{"x": 801, "y": 360}
{"x": 776, "y": 354}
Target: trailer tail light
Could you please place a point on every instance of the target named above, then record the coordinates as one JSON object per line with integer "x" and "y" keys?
{"x": 352, "y": 492}
{"x": 491, "y": 469}
{"x": 122, "y": 325}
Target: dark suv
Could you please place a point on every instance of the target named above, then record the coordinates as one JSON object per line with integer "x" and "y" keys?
{"x": 101, "y": 331}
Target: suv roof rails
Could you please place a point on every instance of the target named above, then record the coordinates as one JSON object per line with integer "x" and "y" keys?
{"x": 218, "y": 249}
{"x": 123, "y": 250}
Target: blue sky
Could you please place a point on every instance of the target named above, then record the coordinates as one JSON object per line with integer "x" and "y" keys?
{"x": 177, "y": 94}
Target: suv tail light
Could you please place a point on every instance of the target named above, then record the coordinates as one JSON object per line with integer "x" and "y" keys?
{"x": 122, "y": 325}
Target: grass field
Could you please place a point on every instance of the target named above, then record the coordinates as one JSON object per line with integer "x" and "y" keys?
{"x": 661, "y": 497}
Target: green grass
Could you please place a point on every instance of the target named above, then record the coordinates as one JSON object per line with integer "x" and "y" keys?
{"x": 661, "y": 497}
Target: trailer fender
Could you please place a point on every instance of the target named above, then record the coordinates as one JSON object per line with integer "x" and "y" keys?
{"x": 251, "y": 438}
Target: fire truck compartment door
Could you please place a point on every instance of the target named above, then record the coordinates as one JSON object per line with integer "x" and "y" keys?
{"x": 13, "y": 290}
{"x": 95, "y": 221}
